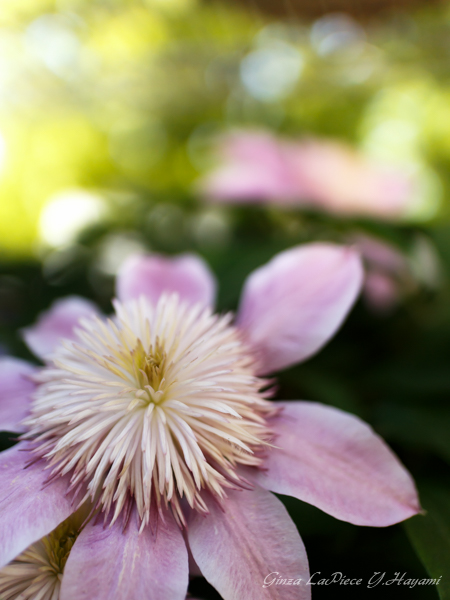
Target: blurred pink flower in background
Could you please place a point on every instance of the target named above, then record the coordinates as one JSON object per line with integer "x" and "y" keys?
{"x": 392, "y": 274}
{"x": 161, "y": 416}
{"x": 253, "y": 167}
{"x": 258, "y": 167}
{"x": 388, "y": 276}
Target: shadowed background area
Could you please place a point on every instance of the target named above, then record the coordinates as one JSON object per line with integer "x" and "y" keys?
{"x": 310, "y": 9}
{"x": 236, "y": 130}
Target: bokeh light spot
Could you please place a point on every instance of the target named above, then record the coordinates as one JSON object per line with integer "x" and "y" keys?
{"x": 66, "y": 214}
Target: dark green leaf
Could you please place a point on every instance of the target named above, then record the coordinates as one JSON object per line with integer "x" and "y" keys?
{"x": 430, "y": 536}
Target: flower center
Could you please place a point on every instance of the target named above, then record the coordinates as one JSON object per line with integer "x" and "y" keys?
{"x": 151, "y": 373}
{"x": 37, "y": 572}
{"x": 157, "y": 404}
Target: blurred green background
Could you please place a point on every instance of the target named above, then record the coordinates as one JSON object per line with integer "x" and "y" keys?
{"x": 110, "y": 113}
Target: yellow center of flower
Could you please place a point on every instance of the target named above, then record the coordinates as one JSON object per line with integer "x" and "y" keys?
{"x": 157, "y": 404}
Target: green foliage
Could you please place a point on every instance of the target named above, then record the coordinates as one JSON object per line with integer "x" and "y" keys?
{"x": 430, "y": 536}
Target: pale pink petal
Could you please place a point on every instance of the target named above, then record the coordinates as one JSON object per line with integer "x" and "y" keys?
{"x": 152, "y": 275}
{"x": 56, "y": 324}
{"x": 295, "y": 303}
{"x": 242, "y": 184}
{"x": 16, "y": 388}
{"x": 107, "y": 563}
{"x": 338, "y": 179}
{"x": 388, "y": 274}
{"x": 381, "y": 255}
{"x": 194, "y": 570}
{"x": 382, "y": 292}
{"x": 254, "y": 167}
{"x": 336, "y": 462}
{"x": 28, "y": 510}
{"x": 241, "y": 546}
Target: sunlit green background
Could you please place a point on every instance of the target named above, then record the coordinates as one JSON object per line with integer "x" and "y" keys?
{"x": 108, "y": 115}
{"x": 120, "y": 99}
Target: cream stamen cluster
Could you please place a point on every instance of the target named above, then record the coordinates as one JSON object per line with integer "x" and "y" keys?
{"x": 156, "y": 404}
{"x": 37, "y": 572}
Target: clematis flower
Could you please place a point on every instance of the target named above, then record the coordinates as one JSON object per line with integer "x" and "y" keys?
{"x": 392, "y": 274}
{"x": 158, "y": 422}
{"x": 388, "y": 277}
{"x": 257, "y": 167}
{"x": 253, "y": 167}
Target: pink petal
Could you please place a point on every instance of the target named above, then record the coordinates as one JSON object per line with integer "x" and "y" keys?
{"x": 194, "y": 570}
{"x": 152, "y": 275}
{"x": 336, "y": 462}
{"x": 16, "y": 388}
{"x": 381, "y": 291}
{"x": 381, "y": 255}
{"x": 242, "y": 184}
{"x": 28, "y": 511}
{"x": 339, "y": 180}
{"x": 252, "y": 538}
{"x": 295, "y": 303}
{"x": 253, "y": 168}
{"x": 106, "y": 563}
{"x": 56, "y": 324}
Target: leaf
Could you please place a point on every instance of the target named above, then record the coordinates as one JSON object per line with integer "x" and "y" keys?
{"x": 430, "y": 537}
{"x": 422, "y": 427}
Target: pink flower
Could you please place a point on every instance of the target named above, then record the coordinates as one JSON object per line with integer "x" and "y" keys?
{"x": 257, "y": 167}
{"x": 254, "y": 167}
{"x": 388, "y": 275}
{"x": 157, "y": 423}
